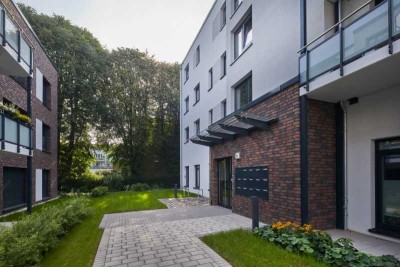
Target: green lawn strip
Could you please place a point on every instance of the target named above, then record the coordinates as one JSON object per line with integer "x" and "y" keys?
{"x": 79, "y": 246}
{"x": 243, "y": 249}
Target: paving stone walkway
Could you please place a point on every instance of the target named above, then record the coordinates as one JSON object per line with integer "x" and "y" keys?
{"x": 175, "y": 203}
{"x": 167, "y": 237}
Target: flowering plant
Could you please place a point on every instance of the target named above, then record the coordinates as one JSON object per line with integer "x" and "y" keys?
{"x": 14, "y": 111}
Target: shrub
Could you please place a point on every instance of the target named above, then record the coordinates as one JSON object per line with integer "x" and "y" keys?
{"x": 99, "y": 191}
{"x": 140, "y": 187}
{"x": 306, "y": 240}
{"x": 30, "y": 238}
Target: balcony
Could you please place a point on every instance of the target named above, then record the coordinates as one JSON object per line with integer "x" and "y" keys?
{"x": 354, "y": 60}
{"x": 15, "y": 53}
{"x": 15, "y": 136}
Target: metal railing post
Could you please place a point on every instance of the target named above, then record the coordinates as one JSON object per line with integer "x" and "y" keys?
{"x": 341, "y": 51}
{"x": 18, "y": 137}
{"x": 3, "y": 12}
{"x": 3, "y": 132}
{"x": 390, "y": 26}
{"x": 307, "y": 71}
{"x": 19, "y": 45}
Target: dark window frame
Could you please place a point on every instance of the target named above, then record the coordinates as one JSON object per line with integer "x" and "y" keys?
{"x": 187, "y": 172}
{"x": 187, "y": 72}
{"x": 197, "y": 94}
{"x": 187, "y": 135}
{"x": 186, "y": 105}
{"x": 197, "y": 55}
{"x": 223, "y": 16}
{"x": 45, "y": 184}
{"x": 210, "y": 79}
{"x": 223, "y": 107}
{"x": 46, "y": 138}
{"x": 242, "y": 31}
{"x": 223, "y": 65}
{"x": 211, "y": 116}
{"x": 46, "y": 93}
{"x": 246, "y": 84}
{"x": 197, "y": 126}
{"x": 197, "y": 176}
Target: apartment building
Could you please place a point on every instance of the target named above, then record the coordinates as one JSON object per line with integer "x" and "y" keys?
{"x": 28, "y": 114}
{"x": 315, "y": 133}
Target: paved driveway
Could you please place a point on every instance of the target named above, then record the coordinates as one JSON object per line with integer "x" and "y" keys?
{"x": 164, "y": 237}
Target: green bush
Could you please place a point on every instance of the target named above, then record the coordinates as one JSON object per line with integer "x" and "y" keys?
{"x": 30, "y": 238}
{"x": 306, "y": 240}
{"x": 140, "y": 187}
{"x": 99, "y": 191}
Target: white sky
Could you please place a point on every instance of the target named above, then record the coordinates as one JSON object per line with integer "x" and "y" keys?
{"x": 166, "y": 28}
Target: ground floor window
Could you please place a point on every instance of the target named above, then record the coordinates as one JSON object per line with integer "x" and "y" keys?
{"x": 45, "y": 183}
{"x": 14, "y": 187}
{"x": 187, "y": 176}
{"x": 197, "y": 172}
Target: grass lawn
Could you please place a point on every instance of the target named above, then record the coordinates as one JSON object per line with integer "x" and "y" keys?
{"x": 242, "y": 248}
{"x": 79, "y": 247}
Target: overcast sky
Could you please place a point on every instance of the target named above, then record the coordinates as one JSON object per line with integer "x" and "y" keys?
{"x": 166, "y": 28}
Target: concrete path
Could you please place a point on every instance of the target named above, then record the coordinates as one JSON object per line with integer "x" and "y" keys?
{"x": 369, "y": 244}
{"x": 164, "y": 237}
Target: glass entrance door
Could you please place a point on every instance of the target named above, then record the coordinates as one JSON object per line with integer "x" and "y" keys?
{"x": 388, "y": 185}
{"x": 225, "y": 183}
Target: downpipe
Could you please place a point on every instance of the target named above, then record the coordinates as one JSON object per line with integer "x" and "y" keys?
{"x": 344, "y": 108}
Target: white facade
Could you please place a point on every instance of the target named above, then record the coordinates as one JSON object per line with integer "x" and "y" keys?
{"x": 271, "y": 59}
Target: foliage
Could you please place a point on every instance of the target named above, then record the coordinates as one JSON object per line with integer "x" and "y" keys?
{"x": 242, "y": 248}
{"x": 30, "y": 238}
{"x": 139, "y": 187}
{"x": 99, "y": 191}
{"x": 82, "y": 66}
{"x": 14, "y": 111}
{"x": 306, "y": 240}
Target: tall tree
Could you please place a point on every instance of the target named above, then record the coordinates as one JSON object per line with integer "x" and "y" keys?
{"x": 81, "y": 61}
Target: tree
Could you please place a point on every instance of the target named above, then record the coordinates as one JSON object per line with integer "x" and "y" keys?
{"x": 81, "y": 62}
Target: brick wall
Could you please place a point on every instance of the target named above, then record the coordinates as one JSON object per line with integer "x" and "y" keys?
{"x": 321, "y": 164}
{"x": 14, "y": 92}
{"x": 278, "y": 148}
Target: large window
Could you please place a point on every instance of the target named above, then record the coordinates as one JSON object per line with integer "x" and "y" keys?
{"x": 186, "y": 134}
{"x": 197, "y": 172}
{"x": 223, "y": 65}
{"x": 243, "y": 36}
{"x": 197, "y": 55}
{"x": 46, "y": 138}
{"x": 210, "y": 79}
{"x": 223, "y": 16}
{"x": 45, "y": 184}
{"x": 210, "y": 116}
{"x": 46, "y": 93}
{"x": 223, "y": 108}
{"x": 187, "y": 104}
{"x": 243, "y": 93}
{"x": 197, "y": 126}
{"x": 187, "y": 72}
{"x": 14, "y": 187}
{"x": 187, "y": 176}
{"x": 197, "y": 94}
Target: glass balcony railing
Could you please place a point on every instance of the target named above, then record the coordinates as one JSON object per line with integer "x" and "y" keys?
{"x": 14, "y": 132}
{"x": 370, "y": 31}
{"x": 11, "y": 36}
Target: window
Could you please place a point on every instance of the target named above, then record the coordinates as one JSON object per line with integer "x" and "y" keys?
{"x": 243, "y": 37}
{"x": 187, "y": 176}
{"x": 23, "y": 81}
{"x": 223, "y": 108}
{"x": 45, "y": 184}
{"x": 14, "y": 187}
{"x": 377, "y": 2}
{"x": 210, "y": 79}
{"x": 223, "y": 16}
{"x": 187, "y": 72}
{"x": 197, "y": 94}
{"x": 236, "y": 4}
{"x": 197, "y": 172}
{"x": 223, "y": 65}
{"x": 210, "y": 116}
{"x": 197, "y": 126}
{"x": 46, "y": 138}
{"x": 187, "y": 104}
{"x": 46, "y": 93}
{"x": 243, "y": 93}
{"x": 197, "y": 55}
{"x": 186, "y": 134}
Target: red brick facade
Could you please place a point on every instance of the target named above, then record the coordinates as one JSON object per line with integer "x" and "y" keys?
{"x": 14, "y": 92}
{"x": 278, "y": 148}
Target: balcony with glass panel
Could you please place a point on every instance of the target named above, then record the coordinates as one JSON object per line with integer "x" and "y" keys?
{"x": 354, "y": 60}
{"x": 15, "y": 136}
{"x": 15, "y": 53}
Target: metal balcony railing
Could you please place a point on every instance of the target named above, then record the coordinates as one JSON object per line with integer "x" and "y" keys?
{"x": 372, "y": 30}
{"x": 14, "y": 132}
{"x": 11, "y": 36}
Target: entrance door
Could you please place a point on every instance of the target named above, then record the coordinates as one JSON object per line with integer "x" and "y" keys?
{"x": 388, "y": 186}
{"x": 225, "y": 183}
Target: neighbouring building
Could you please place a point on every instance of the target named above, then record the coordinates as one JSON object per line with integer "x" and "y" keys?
{"x": 28, "y": 114}
{"x": 103, "y": 161}
{"x": 309, "y": 119}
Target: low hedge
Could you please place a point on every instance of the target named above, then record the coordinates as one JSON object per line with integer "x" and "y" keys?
{"x": 29, "y": 239}
{"x": 306, "y": 240}
{"x": 99, "y": 191}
